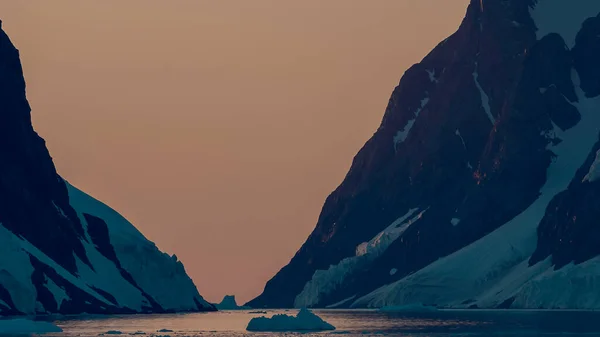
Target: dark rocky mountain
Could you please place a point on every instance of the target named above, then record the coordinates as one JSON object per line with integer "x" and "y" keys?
{"x": 229, "y": 303}
{"x": 61, "y": 251}
{"x": 481, "y": 186}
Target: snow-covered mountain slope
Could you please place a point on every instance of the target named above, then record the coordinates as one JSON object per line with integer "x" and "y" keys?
{"x": 61, "y": 251}
{"x": 495, "y": 134}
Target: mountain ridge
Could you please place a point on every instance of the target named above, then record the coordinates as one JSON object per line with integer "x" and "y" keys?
{"x": 469, "y": 142}
{"x": 61, "y": 251}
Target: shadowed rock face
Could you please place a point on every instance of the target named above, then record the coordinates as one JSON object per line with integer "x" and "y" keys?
{"x": 467, "y": 137}
{"x": 30, "y": 189}
{"x": 54, "y": 258}
{"x": 570, "y": 230}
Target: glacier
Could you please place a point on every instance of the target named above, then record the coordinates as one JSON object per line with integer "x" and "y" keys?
{"x": 498, "y": 259}
{"x": 325, "y": 281}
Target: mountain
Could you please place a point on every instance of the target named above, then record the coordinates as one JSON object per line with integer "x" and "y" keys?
{"x": 62, "y": 251}
{"x": 481, "y": 187}
{"x": 229, "y": 303}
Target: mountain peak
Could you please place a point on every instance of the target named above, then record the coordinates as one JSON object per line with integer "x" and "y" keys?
{"x": 481, "y": 147}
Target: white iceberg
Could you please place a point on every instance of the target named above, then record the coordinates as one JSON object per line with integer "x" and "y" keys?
{"x": 304, "y": 321}
{"x": 23, "y": 326}
{"x": 417, "y": 307}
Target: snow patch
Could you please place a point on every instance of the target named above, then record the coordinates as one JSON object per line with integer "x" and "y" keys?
{"x": 432, "y": 77}
{"x": 485, "y": 100}
{"x": 323, "y": 282}
{"x": 60, "y": 295}
{"x": 304, "y": 321}
{"x": 401, "y": 135}
{"x": 572, "y": 14}
{"x": 34, "y": 251}
{"x": 594, "y": 172}
{"x": 158, "y": 274}
{"x": 107, "y": 277}
{"x": 488, "y": 262}
{"x": 579, "y": 286}
{"x": 457, "y": 132}
{"x": 388, "y": 235}
{"x": 455, "y": 221}
{"x": 393, "y": 271}
{"x": 16, "y": 271}
{"x": 22, "y": 326}
{"x": 511, "y": 283}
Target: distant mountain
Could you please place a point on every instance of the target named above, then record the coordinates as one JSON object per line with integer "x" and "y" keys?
{"x": 481, "y": 187}
{"x": 61, "y": 251}
{"x": 229, "y": 303}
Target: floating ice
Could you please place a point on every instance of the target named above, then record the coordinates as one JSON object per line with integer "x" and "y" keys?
{"x": 23, "y": 326}
{"x": 304, "y": 321}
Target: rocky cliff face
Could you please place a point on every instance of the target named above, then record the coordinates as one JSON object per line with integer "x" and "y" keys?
{"x": 62, "y": 251}
{"x": 481, "y": 186}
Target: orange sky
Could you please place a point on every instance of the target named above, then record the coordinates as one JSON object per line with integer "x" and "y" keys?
{"x": 217, "y": 127}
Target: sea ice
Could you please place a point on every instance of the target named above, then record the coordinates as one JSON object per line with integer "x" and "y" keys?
{"x": 21, "y": 326}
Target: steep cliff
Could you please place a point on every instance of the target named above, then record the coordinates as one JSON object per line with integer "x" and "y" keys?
{"x": 62, "y": 251}
{"x": 481, "y": 186}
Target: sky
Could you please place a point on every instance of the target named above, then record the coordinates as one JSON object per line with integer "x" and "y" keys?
{"x": 218, "y": 128}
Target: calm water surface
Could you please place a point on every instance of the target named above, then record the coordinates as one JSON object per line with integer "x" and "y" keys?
{"x": 349, "y": 323}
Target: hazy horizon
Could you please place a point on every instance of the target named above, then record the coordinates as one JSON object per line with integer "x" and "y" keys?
{"x": 217, "y": 128}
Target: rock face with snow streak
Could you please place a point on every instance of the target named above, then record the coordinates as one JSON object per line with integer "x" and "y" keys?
{"x": 62, "y": 251}
{"x": 493, "y": 137}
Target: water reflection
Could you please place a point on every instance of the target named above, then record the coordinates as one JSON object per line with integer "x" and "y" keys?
{"x": 350, "y": 323}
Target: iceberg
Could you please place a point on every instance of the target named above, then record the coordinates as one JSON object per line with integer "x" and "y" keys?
{"x": 304, "y": 321}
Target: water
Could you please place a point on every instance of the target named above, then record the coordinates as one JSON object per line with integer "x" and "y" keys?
{"x": 350, "y": 323}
